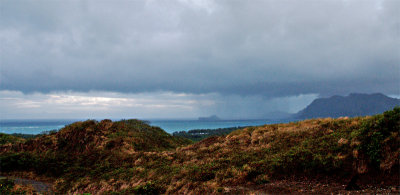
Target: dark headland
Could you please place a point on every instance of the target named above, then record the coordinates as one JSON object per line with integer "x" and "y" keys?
{"x": 355, "y": 104}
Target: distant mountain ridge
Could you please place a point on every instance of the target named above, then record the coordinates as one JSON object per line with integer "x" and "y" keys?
{"x": 355, "y": 104}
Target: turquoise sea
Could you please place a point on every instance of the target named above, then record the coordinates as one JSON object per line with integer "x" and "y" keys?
{"x": 32, "y": 126}
{"x": 170, "y": 126}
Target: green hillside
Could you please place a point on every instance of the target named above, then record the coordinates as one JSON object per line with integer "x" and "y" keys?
{"x": 311, "y": 156}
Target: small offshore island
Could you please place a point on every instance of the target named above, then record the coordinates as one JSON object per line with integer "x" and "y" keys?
{"x": 210, "y": 118}
{"x": 322, "y": 155}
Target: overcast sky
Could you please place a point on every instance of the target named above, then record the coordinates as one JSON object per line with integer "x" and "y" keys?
{"x": 190, "y": 58}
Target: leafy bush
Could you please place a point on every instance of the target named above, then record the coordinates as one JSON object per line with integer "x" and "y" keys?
{"x": 200, "y": 134}
{"x": 149, "y": 187}
{"x": 6, "y": 186}
{"x": 5, "y": 138}
{"x": 202, "y": 173}
{"x": 375, "y": 131}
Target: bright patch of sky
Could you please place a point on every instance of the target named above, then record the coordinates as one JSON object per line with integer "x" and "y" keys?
{"x": 15, "y": 105}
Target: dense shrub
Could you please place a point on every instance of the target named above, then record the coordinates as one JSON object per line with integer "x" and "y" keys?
{"x": 149, "y": 187}
{"x": 6, "y": 186}
{"x": 200, "y": 134}
{"x": 5, "y": 138}
{"x": 377, "y": 132}
{"x": 202, "y": 173}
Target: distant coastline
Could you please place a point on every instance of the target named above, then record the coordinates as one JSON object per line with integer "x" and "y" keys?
{"x": 170, "y": 125}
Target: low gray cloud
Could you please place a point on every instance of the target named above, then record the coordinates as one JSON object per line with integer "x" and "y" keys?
{"x": 99, "y": 105}
{"x": 230, "y": 47}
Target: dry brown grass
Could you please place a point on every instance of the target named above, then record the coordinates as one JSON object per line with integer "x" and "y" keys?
{"x": 253, "y": 156}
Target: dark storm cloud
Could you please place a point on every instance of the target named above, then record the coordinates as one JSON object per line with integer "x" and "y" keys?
{"x": 266, "y": 48}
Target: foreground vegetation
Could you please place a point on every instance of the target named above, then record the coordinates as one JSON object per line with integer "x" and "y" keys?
{"x": 200, "y": 134}
{"x": 133, "y": 157}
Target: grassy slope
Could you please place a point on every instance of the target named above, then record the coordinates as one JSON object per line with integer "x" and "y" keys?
{"x": 86, "y": 149}
{"x": 130, "y": 156}
{"x": 9, "y": 139}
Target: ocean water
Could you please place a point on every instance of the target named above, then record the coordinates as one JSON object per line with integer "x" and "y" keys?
{"x": 31, "y": 126}
{"x": 170, "y": 126}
